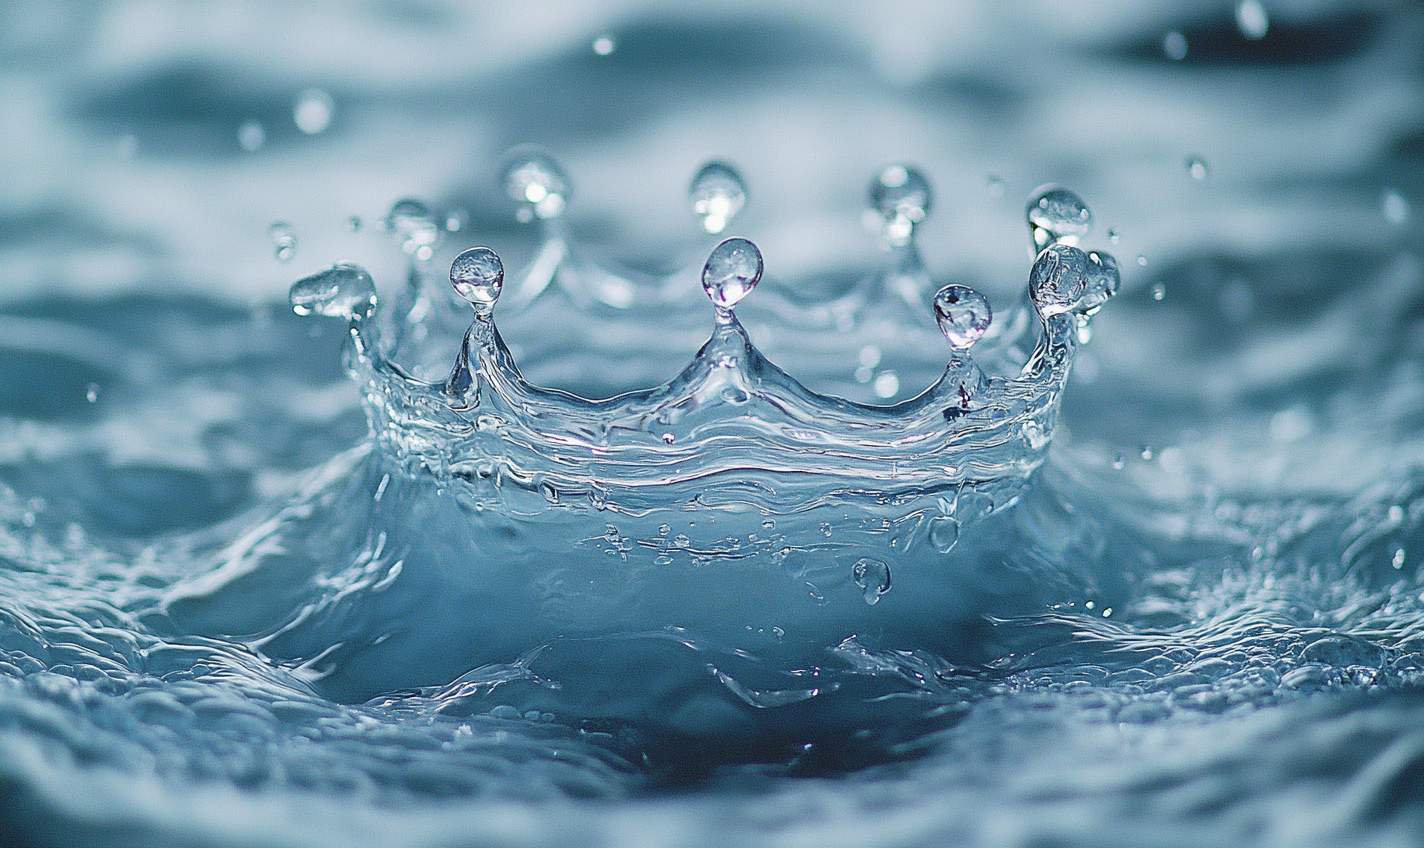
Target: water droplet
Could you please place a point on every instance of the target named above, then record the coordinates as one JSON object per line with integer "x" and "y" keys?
{"x": 869, "y": 357}
{"x": 717, "y": 194}
{"x": 731, "y": 272}
{"x": 251, "y": 136}
{"x": 872, "y": 576}
{"x": 1398, "y": 560}
{"x": 537, "y": 182}
{"x": 1394, "y": 206}
{"x": 1196, "y": 168}
{"x": 887, "y": 385}
{"x": 1251, "y": 19}
{"x": 284, "y": 242}
{"x": 995, "y": 186}
{"x": 477, "y": 276}
{"x": 1119, "y": 461}
{"x": 963, "y": 315}
{"x": 1174, "y": 45}
{"x": 1103, "y": 281}
{"x": 902, "y": 195}
{"x": 341, "y": 291}
{"x": 1142, "y": 259}
{"x": 1058, "y": 280}
{"x": 313, "y": 111}
{"x": 825, "y": 529}
{"x": 604, "y": 45}
{"x": 1159, "y": 291}
{"x": 413, "y": 225}
{"x": 455, "y": 220}
{"x": 91, "y": 392}
{"x": 1147, "y": 453}
{"x": 944, "y": 533}
{"x": 1114, "y": 236}
{"x": 1056, "y": 214}
{"x": 354, "y": 223}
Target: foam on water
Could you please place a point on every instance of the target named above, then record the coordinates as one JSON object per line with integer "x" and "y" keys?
{"x": 1110, "y": 567}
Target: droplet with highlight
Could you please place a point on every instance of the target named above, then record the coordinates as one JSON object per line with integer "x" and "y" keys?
{"x": 341, "y": 291}
{"x": 1196, "y": 168}
{"x": 1102, "y": 283}
{"x": 538, "y": 183}
{"x": 903, "y": 197}
{"x": 717, "y": 194}
{"x": 1057, "y": 214}
{"x": 477, "y": 276}
{"x": 414, "y": 227}
{"x": 313, "y": 111}
{"x": 1251, "y": 19}
{"x": 731, "y": 272}
{"x": 963, "y": 315}
{"x": 284, "y": 241}
{"x": 1058, "y": 280}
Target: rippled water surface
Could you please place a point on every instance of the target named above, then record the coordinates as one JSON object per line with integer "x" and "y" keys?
{"x": 231, "y": 614}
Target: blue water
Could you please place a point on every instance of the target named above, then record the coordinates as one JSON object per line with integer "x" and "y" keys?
{"x": 231, "y": 614}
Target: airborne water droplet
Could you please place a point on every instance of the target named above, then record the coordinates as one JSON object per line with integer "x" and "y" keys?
{"x": 903, "y": 197}
{"x": 537, "y": 182}
{"x": 1251, "y": 19}
{"x": 731, "y": 272}
{"x": 872, "y": 576}
{"x": 963, "y": 315}
{"x": 1059, "y": 279}
{"x": 717, "y": 194}
{"x": 251, "y": 136}
{"x": 1159, "y": 291}
{"x": 1174, "y": 45}
{"x": 341, "y": 291}
{"x": 284, "y": 242}
{"x": 91, "y": 392}
{"x": 604, "y": 45}
{"x": 477, "y": 276}
{"x": 313, "y": 111}
{"x": 1196, "y": 168}
{"x": 414, "y": 227}
{"x": 1056, "y": 214}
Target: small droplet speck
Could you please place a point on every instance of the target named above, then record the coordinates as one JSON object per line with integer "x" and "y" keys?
{"x": 91, "y": 392}
{"x": 1196, "y": 168}
{"x": 1159, "y": 291}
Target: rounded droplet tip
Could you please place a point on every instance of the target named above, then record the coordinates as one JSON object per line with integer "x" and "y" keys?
{"x": 902, "y": 196}
{"x": 477, "y": 276}
{"x": 731, "y": 272}
{"x": 963, "y": 315}
{"x": 717, "y": 194}
{"x": 1057, "y": 214}
{"x": 537, "y": 182}
{"x": 341, "y": 291}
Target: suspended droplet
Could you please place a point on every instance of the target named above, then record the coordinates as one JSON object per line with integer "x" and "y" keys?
{"x": 604, "y": 45}
{"x": 1103, "y": 281}
{"x": 902, "y": 195}
{"x": 731, "y": 272}
{"x": 91, "y": 393}
{"x": 1058, "y": 279}
{"x": 1056, "y": 214}
{"x": 414, "y": 227}
{"x": 1394, "y": 206}
{"x": 1174, "y": 45}
{"x": 353, "y": 223}
{"x": 717, "y": 194}
{"x": 1159, "y": 291}
{"x": 1142, "y": 260}
{"x": 341, "y": 291}
{"x": 886, "y": 385}
{"x": 1196, "y": 168}
{"x": 1114, "y": 236}
{"x": 251, "y": 136}
{"x": 455, "y": 220}
{"x": 313, "y": 111}
{"x": 284, "y": 241}
{"x": 537, "y": 182}
{"x": 1251, "y": 19}
{"x": 872, "y": 576}
{"x": 478, "y": 276}
{"x": 963, "y": 315}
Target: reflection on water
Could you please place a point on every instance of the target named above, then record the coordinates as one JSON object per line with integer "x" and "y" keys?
{"x": 1200, "y": 624}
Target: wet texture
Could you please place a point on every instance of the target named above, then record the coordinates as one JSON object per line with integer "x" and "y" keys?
{"x": 234, "y": 612}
